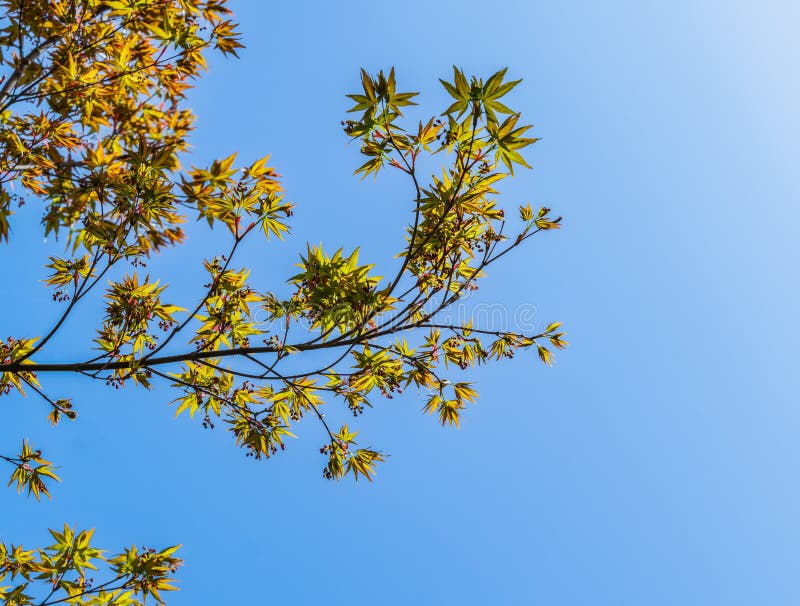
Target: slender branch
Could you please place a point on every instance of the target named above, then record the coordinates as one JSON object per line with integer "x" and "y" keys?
{"x": 92, "y": 590}
{"x": 15, "y": 77}
{"x": 79, "y": 293}
{"x": 411, "y": 169}
{"x": 205, "y": 390}
{"x": 41, "y": 393}
{"x": 208, "y": 294}
{"x": 60, "y": 578}
{"x": 495, "y": 333}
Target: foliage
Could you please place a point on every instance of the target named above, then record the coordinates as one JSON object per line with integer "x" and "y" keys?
{"x": 60, "y": 573}
{"x": 94, "y": 130}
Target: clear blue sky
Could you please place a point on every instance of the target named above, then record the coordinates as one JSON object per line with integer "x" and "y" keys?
{"x": 656, "y": 463}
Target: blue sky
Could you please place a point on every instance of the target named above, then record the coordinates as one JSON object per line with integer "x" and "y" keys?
{"x": 655, "y": 463}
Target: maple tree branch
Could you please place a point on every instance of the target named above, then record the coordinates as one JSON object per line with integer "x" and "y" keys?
{"x": 17, "y": 367}
{"x": 19, "y": 71}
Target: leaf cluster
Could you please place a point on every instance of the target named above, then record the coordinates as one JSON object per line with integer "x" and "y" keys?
{"x": 61, "y": 573}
